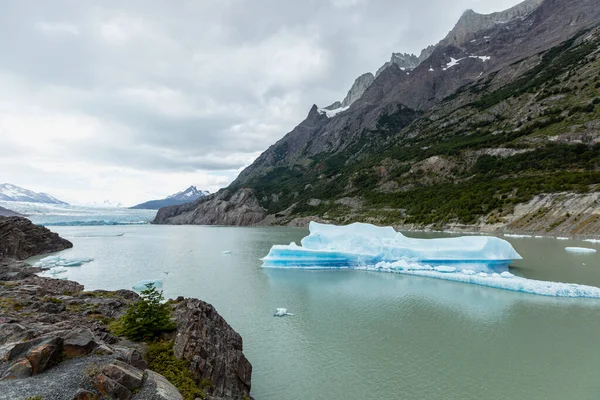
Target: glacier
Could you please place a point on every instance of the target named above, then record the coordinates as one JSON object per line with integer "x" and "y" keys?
{"x": 480, "y": 260}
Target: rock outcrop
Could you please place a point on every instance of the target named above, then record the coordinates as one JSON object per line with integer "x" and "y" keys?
{"x": 406, "y": 62}
{"x": 213, "y": 349}
{"x": 223, "y": 208}
{"x": 55, "y": 340}
{"x": 358, "y": 88}
{"x": 21, "y": 239}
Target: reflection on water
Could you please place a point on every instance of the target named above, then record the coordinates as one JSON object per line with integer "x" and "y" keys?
{"x": 368, "y": 335}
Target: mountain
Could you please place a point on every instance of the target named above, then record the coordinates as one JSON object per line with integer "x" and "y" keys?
{"x": 497, "y": 128}
{"x": 10, "y": 192}
{"x": 186, "y": 196}
{"x": 5, "y": 212}
{"x": 104, "y": 204}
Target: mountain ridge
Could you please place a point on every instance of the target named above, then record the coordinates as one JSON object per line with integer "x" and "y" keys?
{"x": 185, "y": 196}
{"x": 390, "y": 147}
{"x": 10, "y": 192}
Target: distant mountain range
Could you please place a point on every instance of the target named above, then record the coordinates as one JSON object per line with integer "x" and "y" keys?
{"x": 186, "y": 196}
{"x": 9, "y": 192}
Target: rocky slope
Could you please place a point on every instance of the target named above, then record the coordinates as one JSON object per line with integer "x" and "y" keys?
{"x": 5, "y": 212}
{"x": 9, "y": 192}
{"x": 55, "y": 341}
{"x": 21, "y": 239}
{"x": 500, "y": 112}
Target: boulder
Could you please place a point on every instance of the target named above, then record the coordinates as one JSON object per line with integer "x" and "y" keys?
{"x": 80, "y": 341}
{"x": 85, "y": 395}
{"x": 19, "y": 369}
{"x": 157, "y": 387}
{"x": 132, "y": 357}
{"x": 124, "y": 374}
{"x": 111, "y": 388}
{"x": 212, "y": 348}
{"x": 21, "y": 239}
{"x": 40, "y": 353}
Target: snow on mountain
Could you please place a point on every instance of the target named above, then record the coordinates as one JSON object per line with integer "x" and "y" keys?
{"x": 190, "y": 193}
{"x": 186, "y": 196}
{"x": 105, "y": 203}
{"x": 9, "y": 192}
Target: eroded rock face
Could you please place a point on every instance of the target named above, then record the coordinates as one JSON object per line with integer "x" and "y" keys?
{"x": 21, "y": 239}
{"x": 213, "y": 349}
{"x": 240, "y": 208}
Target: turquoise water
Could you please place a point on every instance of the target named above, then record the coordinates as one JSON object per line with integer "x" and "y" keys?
{"x": 367, "y": 335}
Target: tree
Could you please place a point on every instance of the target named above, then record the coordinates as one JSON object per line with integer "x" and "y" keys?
{"x": 147, "y": 318}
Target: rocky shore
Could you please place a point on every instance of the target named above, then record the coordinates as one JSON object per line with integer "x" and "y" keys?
{"x": 56, "y": 342}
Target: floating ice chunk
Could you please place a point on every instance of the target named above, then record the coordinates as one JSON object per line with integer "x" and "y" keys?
{"x": 147, "y": 284}
{"x": 476, "y": 260}
{"x": 329, "y": 246}
{"x": 562, "y": 238}
{"x": 281, "y": 312}
{"x": 582, "y": 250}
{"x": 57, "y": 270}
{"x": 514, "y": 235}
{"x": 444, "y": 269}
{"x": 226, "y": 252}
{"x": 592, "y": 240}
{"x": 57, "y": 261}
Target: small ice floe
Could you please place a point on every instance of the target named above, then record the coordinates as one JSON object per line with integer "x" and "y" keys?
{"x": 562, "y": 238}
{"x": 56, "y": 261}
{"x": 592, "y": 240}
{"x": 281, "y": 312}
{"x": 581, "y": 250}
{"x": 147, "y": 284}
{"x": 514, "y": 235}
{"x": 445, "y": 270}
{"x": 226, "y": 252}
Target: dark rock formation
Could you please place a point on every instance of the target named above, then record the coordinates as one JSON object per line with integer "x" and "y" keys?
{"x": 21, "y": 239}
{"x": 213, "y": 349}
{"x": 223, "y": 208}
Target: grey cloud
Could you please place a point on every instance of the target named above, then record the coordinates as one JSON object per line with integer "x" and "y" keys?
{"x": 197, "y": 85}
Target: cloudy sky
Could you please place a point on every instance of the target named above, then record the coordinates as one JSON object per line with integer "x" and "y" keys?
{"x": 133, "y": 100}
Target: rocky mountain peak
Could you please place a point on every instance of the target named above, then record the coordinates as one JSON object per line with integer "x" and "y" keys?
{"x": 358, "y": 88}
{"x": 472, "y": 22}
{"x": 404, "y": 61}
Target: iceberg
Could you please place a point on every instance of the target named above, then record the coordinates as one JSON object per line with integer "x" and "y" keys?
{"x": 480, "y": 260}
{"x": 581, "y": 250}
{"x": 281, "y": 312}
{"x": 57, "y": 261}
{"x": 357, "y": 245}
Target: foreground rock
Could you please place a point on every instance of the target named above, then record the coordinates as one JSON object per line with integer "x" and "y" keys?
{"x": 213, "y": 349}
{"x": 21, "y": 239}
{"x": 55, "y": 340}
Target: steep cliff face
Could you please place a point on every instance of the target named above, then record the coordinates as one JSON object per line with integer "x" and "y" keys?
{"x": 213, "y": 349}
{"x": 470, "y": 23}
{"x": 21, "y": 239}
{"x": 358, "y": 88}
{"x": 240, "y": 208}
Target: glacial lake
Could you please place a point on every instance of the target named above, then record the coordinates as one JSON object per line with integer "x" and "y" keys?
{"x": 368, "y": 335}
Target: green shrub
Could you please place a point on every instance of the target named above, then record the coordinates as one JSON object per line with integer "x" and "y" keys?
{"x": 161, "y": 359}
{"x": 147, "y": 318}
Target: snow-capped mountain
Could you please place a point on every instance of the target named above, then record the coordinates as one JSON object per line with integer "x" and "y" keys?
{"x": 9, "y": 192}
{"x": 190, "y": 193}
{"x": 186, "y": 196}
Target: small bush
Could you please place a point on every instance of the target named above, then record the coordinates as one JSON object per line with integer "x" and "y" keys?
{"x": 161, "y": 359}
{"x": 596, "y": 100}
{"x": 146, "y": 319}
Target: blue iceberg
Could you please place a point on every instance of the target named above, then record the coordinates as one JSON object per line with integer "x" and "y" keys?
{"x": 57, "y": 261}
{"x": 147, "y": 284}
{"x": 480, "y": 260}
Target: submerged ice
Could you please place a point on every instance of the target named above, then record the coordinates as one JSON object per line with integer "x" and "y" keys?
{"x": 480, "y": 260}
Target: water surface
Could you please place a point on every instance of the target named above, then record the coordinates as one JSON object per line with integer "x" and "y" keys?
{"x": 368, "y": 335}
